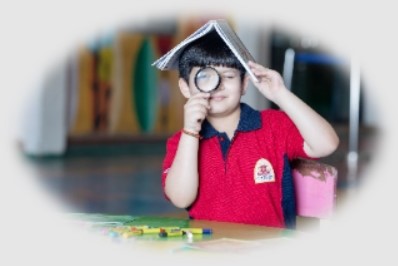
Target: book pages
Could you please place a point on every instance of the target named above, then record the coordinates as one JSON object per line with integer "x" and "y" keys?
{"x": 170, "y": 59}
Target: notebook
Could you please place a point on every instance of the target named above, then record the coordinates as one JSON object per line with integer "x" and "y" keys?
{"x": 224, "y": 30}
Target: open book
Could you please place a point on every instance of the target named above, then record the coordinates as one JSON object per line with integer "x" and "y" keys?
{"x": 170, "y": 59}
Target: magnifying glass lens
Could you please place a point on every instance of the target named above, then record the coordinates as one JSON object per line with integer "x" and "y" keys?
{"x": 207, "y": 79}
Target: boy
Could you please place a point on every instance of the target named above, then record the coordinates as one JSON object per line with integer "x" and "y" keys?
{"x": 231, "y": 162}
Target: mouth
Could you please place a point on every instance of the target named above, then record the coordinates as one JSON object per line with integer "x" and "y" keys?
{"x": 217, "y": 97}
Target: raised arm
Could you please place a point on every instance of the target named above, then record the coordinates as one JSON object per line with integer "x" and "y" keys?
{"x": 182, "y": 178}
{"x": 320, "y": 139}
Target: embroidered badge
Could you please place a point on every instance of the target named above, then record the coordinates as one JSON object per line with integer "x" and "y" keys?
{"x": 263, "y": 172}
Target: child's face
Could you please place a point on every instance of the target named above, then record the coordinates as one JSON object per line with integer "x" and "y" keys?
{"x": 228, "y": 94}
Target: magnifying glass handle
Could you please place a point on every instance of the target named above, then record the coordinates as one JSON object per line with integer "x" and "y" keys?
{"x": 200, "y": 120}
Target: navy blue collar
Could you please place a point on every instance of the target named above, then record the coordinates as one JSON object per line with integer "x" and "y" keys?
{"x": 249, "y": 120}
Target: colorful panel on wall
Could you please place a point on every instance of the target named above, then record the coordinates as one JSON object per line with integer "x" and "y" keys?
{"x": 82, "y": 122}
{"x": 122, "y": 116}
{"x": 104, "y": 87}
{"x": 144, "y": 86}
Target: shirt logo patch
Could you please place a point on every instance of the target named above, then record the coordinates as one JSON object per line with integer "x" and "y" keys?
{"x": 263, "y": 172}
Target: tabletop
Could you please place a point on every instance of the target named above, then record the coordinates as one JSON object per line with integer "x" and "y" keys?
{"x": 224, "y": 237}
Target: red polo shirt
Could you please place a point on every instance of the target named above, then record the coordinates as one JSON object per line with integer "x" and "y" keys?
{"x": 246, "y": 179}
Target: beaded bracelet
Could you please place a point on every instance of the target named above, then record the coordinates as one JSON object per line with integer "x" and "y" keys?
{"x": 192, "y": 134}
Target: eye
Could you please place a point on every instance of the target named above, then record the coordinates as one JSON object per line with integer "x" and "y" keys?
{"x": 229, "y": 75}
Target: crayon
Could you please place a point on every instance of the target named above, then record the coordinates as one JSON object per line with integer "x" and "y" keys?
{"x": 151, "y": 230}
{"x": 156, "y": 230}
{"x": 130, "y": 234}
{"x": 171, "y": 233}
{"x": 126, "y": 229}
{"x": 139, "y": 227}
{"x": 203, "y": 231}
{"x": 167, "y": 228}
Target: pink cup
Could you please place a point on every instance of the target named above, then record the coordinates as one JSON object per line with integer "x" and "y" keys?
{"x": 315, "y": 186}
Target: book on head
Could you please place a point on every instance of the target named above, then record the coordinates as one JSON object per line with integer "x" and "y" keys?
{"x": 231, "y": 39}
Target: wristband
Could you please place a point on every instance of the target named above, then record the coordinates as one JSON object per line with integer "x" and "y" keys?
{"x": 192, "y": 134}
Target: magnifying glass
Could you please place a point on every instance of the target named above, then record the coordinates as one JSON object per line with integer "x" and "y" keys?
{"x": 207, "y": 79}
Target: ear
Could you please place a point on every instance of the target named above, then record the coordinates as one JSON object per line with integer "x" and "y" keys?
{"x": 184, "y": 88}
{"x": 245, "y": 84}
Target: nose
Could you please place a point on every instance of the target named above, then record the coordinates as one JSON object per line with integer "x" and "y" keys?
{"x": 221, "y": 85}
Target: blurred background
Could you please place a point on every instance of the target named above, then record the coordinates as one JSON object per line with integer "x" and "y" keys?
{"x": 96, "y": 127}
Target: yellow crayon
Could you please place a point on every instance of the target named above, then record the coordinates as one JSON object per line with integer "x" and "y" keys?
{"x": 139, "y": 226}
{"x": 202, "y": 231}
{"x": 171, "y": 233}
{"x": 156, "y": 230}
{"x": 153, "y": 230}
{"x": 131, "y": 233}
{"x": 126, "y": 229}
{"x": 120, "y": 229}
{"x": 170, "y": 228}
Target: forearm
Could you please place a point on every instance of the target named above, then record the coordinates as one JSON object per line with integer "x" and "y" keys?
{"x": 320, "y": 139}
{"x": 182, "y": 178}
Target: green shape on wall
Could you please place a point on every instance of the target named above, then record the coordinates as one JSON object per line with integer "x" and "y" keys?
{"x": 144, "y": 88}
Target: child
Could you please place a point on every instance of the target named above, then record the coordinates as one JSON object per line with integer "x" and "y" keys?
{"x": 230, "y": 162}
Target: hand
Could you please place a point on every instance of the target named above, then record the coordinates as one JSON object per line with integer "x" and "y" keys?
{"x": 195, "y": 111}
{"x": 270, "y": 82}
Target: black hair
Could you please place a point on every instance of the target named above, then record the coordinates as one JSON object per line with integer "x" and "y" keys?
{"x": 208, "y": 50}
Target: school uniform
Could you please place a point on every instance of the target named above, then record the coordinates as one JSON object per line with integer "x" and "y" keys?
{"x": 246, "y": 179}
